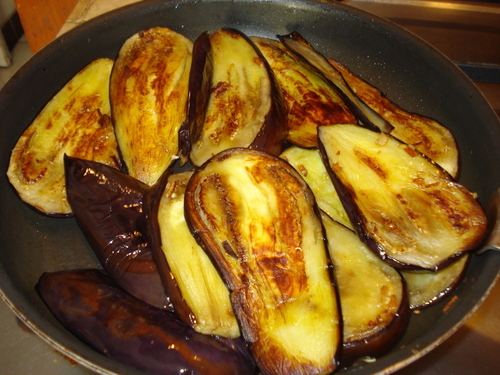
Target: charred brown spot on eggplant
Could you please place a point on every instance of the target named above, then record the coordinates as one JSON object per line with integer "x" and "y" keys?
{"x": 405, "y": 207}
{"x": 310, "y": 98}
{"x": 90, "y": 305}
{"x": 301, "y": 47}
{"x": 198, "y": 293}
{"x": 76, "y": 121}
{"x": 148, "y": 91}
{"x": 109, "y": 209}
{"x": 373, "y": 297}
{"x": 237, "y": 104}
{"x": 425, "y": 134}
{"x": 426, "y": 288}
{"x": 257, "y": 219}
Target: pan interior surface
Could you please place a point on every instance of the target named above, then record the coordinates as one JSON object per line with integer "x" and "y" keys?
{"x": 408, "y": 71}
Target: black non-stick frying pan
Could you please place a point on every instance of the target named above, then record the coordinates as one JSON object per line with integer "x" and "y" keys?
{"x": 410, "y": 72}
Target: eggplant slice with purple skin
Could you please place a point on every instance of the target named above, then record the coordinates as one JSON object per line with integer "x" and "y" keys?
{"x": 109, "y": 208}
{"x": 258, "y": 220}
{"x": 425, "y": 134}
{"x": 310, "y": 98}
{"x": 403, "y": 206}
{"x": 426, "y": 288}
{"x": 91, "y": 306}
{"x": 301, "y": 48}
{"x": 76, "y": 122}
{"x": 196, "y": 290}
{"x": 148, "y": 93}
{"x": 234, "y": 99}
{"x": 373, "y": 296}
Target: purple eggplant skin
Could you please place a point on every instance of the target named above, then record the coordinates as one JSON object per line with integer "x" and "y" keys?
{"x": 109, "y": 208}
{"x": 198, "y": 95}
{"x": 273, "y": 132}
{"x": 91, "y": 306}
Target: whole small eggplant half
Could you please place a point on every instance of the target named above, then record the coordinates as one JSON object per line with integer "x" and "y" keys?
{"x": 301, "y": 48}
{"x": 373, "y": 297}
{"x": 196, "y": 290}
{"x": 148, "y": 93}
{"x": 109, "y": 209}
{"x": 426, "y": 288}
{"x": 310, "y": 98}
{"x": 76, "y": 122}
{"x": 91, "y": 306}
{"x": 309, "y": 164}
{"x": 234, "y": 99}
{"x": 425, "y": 134}
{"x": 403, "y": 206}
{"x": 257, "y": 218}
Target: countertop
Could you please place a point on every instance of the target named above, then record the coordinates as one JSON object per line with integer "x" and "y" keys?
{"x": 475, "y": 347}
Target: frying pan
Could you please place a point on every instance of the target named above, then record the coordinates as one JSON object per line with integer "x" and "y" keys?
{"x": 406, "y": 69}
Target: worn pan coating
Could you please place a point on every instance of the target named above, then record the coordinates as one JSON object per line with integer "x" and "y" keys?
{"x": 409, "y": 71}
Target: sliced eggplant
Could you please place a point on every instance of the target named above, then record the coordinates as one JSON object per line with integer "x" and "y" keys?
{"x": 257, "y": 219}
{"x": 77, "y": 122}
{"x": 425, "y": 134}
{"x": 373, "y": 297}
{"x": 234, "y": 99}
{"x": 405, "y": 207}
{"x": 127, "y": 330}
{"x": 426, "y": 288}
{"x": 200, "y": 297}
{"x": 309, "y": 164}
{"x": 149, "y": 88}
{"x": 109, "y": 209}
{"x": 299, "y": 46}
{"x": 310, "y": 98}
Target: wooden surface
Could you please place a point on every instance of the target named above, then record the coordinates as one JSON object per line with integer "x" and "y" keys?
{"x": 42, "y": 19}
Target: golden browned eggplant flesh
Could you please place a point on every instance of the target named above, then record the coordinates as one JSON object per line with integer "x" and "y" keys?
{"x": 258, "y": 220}
{"x": 404, "y": 206}
{"x": 76, "y": 122}
{"x": 148, "y": 91}
{"x": 238, "y": 241}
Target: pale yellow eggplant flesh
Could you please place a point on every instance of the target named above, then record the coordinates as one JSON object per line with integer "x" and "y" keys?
{"x": 309, "y": 164}
{"x": 297, "y": 44}
{"x": 76, "y": 122}
{"x": 310, "y": 98}
{"x": 235, "y": 100}
{"x": 148, "y": 91}
{"x": 402, "y": 205}
{"x": 425, "y": 134}
{"x": 426, "y": 288}
{"x": 198, "y": 293}
{"x": 256, "y": 217}
{"x": 373, "y": 296}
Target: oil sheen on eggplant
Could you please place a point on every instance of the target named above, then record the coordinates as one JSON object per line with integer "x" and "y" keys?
{"x": 297, "y": 44}
{"x": 234, "y": 99}
{"x": 403, "y": 206}
{"x": 91, "y": 306}
{"x": 373, "y": 296}
{"x": 148, "y": 92}
{"x": 425, "y": 134}
{"x": 77, "y": 122}
{"x": 310, "y": 98}
{"x": 426, "y": 288}
{"x": 109, "y": 208}
{"x": 258, "y": 220}
{"x": 196, "y": 290}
